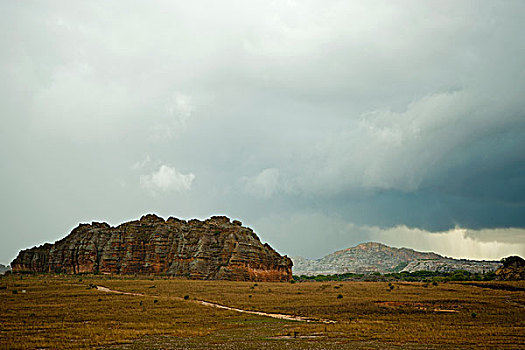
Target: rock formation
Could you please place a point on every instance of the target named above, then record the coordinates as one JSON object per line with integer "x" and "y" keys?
{"x": 212, "y": 249}
{"x": 373, "y": 257}
{"x": 513, "y": 269}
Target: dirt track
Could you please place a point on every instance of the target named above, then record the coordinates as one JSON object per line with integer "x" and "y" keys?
{"x": 219, "y": 306}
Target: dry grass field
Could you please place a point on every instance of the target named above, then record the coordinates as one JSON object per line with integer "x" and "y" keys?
{"x": 66, "y": 312}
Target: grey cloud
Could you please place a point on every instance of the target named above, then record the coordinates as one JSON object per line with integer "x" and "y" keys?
{"x": 263, "y": 184}
{"x": 309, "y": 234}
{"x": 386, "y": 150}
{"x": 502, "y": 235}
{"x": 166, "y": 179}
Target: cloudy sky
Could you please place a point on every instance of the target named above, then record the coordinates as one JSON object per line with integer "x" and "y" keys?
{"x": 320, "y": 124}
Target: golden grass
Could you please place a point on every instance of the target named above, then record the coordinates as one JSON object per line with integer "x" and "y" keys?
{"x": 58, "y": 311}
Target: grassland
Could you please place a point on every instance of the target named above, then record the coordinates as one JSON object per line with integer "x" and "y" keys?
{"x": 60, "y": 311}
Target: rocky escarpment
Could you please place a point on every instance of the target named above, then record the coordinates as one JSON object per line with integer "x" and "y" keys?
{"x": 513, "y": 269}
{"x": 212, "y": 249}
{"x": 373, "y": 257}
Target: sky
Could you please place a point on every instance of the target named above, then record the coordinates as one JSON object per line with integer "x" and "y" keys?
{"x": 319, "y": 124}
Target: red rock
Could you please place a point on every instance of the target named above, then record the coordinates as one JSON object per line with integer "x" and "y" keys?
{"x": 212, "y": 249}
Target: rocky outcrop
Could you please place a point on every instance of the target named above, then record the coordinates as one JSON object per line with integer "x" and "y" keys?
{"x": 212, "y": 249}
{"x": 373, "y": 257}
{"x": 513, "y": 269}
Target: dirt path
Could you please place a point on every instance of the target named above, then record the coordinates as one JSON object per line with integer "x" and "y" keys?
{"x": 219, "y": 306}
{"x": 107, "y": 290}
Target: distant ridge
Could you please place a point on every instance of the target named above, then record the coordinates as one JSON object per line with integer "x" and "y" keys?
{"x": 373, "y": 257}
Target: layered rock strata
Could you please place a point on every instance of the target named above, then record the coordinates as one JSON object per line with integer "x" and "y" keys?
{"x": 212, "y": 249}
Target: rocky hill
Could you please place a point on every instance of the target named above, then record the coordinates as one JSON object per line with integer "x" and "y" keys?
{"x": 513, "y": 269}
{"x": 212, "y": 249}
{"x": 376, "y": 257}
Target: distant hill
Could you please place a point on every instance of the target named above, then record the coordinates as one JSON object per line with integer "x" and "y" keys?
{"x": 373, "y": 257}
{"x": 4, "y": 269}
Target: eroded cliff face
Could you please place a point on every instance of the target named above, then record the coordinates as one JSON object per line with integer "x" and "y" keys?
{"x": 212, "y": 249}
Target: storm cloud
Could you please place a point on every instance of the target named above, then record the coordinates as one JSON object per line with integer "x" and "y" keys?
{"x": 318, "y": 124}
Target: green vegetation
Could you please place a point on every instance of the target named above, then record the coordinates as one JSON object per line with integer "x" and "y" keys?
{"x": 417, "y": 276}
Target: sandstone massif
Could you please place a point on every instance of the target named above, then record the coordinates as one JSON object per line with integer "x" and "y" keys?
{"x": 373, "y": 257}
{"x": 216, "y": 248}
